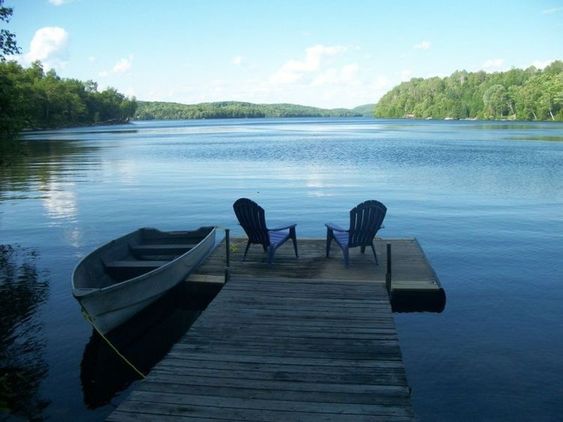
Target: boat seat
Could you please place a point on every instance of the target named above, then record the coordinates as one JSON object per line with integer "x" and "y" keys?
{"x": 164, "y": 249}
{"x": 135, "y": 264}
{"x": 126, "y": 269}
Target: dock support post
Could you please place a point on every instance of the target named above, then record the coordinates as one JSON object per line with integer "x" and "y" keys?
{"x": 227, "y": 254}
{"x": 388, "y": 273}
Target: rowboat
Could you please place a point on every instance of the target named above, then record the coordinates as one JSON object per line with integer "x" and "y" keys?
{"x": 117, "y": 280}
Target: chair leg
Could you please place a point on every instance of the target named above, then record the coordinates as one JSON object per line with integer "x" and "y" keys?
{"x": 246, "y": 250}
{"x": 363, "y": 249}
{"x": 271, "y": 252}
{"x": 346, "y": 257}
{"x": 328, "y": 241}
{"x": 293, "y": 236}
{"x": 374, "y": 254}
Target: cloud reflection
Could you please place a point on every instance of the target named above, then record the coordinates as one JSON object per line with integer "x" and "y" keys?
{"x": 59, "y": 201}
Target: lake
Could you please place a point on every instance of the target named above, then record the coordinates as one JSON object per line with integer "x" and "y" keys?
{"x": 485, "y": 200}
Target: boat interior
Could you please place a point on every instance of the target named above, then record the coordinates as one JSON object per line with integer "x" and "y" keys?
{"x": 135, "y": 254}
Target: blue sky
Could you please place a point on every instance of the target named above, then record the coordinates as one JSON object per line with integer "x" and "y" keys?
{"x": 327, "y": 53}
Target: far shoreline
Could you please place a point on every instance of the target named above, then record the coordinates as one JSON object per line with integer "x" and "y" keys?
{"x": 402, "y": 119}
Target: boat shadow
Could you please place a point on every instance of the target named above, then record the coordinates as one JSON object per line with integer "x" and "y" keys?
{"x": 144, "y": 340}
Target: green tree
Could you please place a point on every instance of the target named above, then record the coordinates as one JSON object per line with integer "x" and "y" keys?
{"x": 521, "y": 94}
{"x": 8, "y": 43}
{"x": 31, "y": 98}
{"x": 495, "y": 99}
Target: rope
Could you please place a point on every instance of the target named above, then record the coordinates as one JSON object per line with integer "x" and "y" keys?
{"x": 88, "y": 318}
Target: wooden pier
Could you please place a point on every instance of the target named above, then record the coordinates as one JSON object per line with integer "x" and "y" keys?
{"x": 300, "y": 340}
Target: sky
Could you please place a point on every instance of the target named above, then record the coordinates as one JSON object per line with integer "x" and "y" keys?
{"x": 328, "y": 53}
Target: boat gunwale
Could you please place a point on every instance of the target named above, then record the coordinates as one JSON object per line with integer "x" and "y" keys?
{"x": 80, "y": 292}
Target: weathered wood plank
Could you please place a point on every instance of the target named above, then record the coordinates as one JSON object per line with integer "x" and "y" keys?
{"x": 287, "y": 360}
{"x": 291, "y": 391}
{"x": 387, "y": 378}
{"x": 175, "y": 402}
{"x": 148, "y": 412}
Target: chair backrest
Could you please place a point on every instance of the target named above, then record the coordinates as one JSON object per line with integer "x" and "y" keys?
{"x": 365, "y": 221}
{"x": 251, "y": 217}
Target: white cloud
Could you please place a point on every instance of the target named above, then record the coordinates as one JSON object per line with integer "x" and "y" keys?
{"x": 380, "y": 83}
{"x": 237, "y": 60}
{"x": 123, "y": 65}
{"x": 552, "y": 10}
{"x": 540, "y": 64}
{"x": 492, "y": 65}
{"x": 423, "y": 45}
{"x": 294, "y": 70}
{"x": 406, "y": 75}
{"x": 346, "y": 75}
{"x": 91, "y": 59}
{"x": 49, "y": 45}
{"x": 349, "y": 72}
{"x": 59, "y": 2}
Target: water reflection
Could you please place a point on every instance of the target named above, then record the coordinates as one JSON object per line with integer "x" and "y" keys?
{"x": 22, "y": 366}
{"x": 59, "y": 200}
{"x": 42, "y": 167}
{"x": 144, "y": 341}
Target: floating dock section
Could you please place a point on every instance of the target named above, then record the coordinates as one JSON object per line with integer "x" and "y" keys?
{"x": 302, "y": 339}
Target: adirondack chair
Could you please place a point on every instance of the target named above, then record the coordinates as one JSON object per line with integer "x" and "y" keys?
{"x": 251, "y": 217}
{"x": 365, "y": 221}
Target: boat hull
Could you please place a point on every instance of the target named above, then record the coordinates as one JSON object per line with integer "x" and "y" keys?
{"x": 108, "y": 306}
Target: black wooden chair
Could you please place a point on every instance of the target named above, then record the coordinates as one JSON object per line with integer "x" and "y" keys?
{"x": 251, "y": 217}
{"x": 365, "y": 220}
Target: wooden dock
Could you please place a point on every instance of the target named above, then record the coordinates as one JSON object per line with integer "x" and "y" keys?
{"x": 300, "y": 340}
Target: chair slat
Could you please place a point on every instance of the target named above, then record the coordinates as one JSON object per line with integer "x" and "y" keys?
{"x": 365, "y": 220}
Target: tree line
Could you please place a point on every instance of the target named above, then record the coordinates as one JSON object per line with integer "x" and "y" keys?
{"x": 518, "y": 94}
{"x": 31, "y": 98}
{"x": 156, "y": 110}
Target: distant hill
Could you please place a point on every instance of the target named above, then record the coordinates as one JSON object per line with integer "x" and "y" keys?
{"x": 157, "y": 110}
{"x": 516, "y": 94}
{"x": 366, "y": 110}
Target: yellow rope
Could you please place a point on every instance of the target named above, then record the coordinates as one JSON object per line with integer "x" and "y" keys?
{"x": 88, "y": 318}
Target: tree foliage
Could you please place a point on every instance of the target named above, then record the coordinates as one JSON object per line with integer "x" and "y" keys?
{"x": 529, "y": 94}
{"x": 231, "y": 109}
{"x": 8, "y": 44}
{"x": 31, "y": 98}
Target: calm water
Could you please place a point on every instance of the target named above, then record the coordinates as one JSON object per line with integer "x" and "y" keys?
{"x": 485, "y": 201}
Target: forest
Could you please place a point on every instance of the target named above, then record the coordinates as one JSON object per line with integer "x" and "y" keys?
{"x": 516, "y": 94}
{"x": 31, "y": 98}
{"x": 155, "y": 110}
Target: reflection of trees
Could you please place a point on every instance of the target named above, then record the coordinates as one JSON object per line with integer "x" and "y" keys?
{"x": 22, "y": 366}
{"x": 40, "y": 163}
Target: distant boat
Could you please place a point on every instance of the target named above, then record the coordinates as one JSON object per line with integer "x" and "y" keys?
{"x": 117, "y": 280}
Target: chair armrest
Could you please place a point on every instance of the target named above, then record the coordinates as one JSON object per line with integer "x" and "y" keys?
{"x": 334, "y": 227}
{"x": 277, "y": 229}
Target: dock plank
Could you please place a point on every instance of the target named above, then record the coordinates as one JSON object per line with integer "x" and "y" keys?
{"x": 282, "y": 349}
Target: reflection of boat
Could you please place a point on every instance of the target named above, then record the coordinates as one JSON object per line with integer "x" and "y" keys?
{"x": 117, "y": 280}
{"x": 144, "y": 340}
